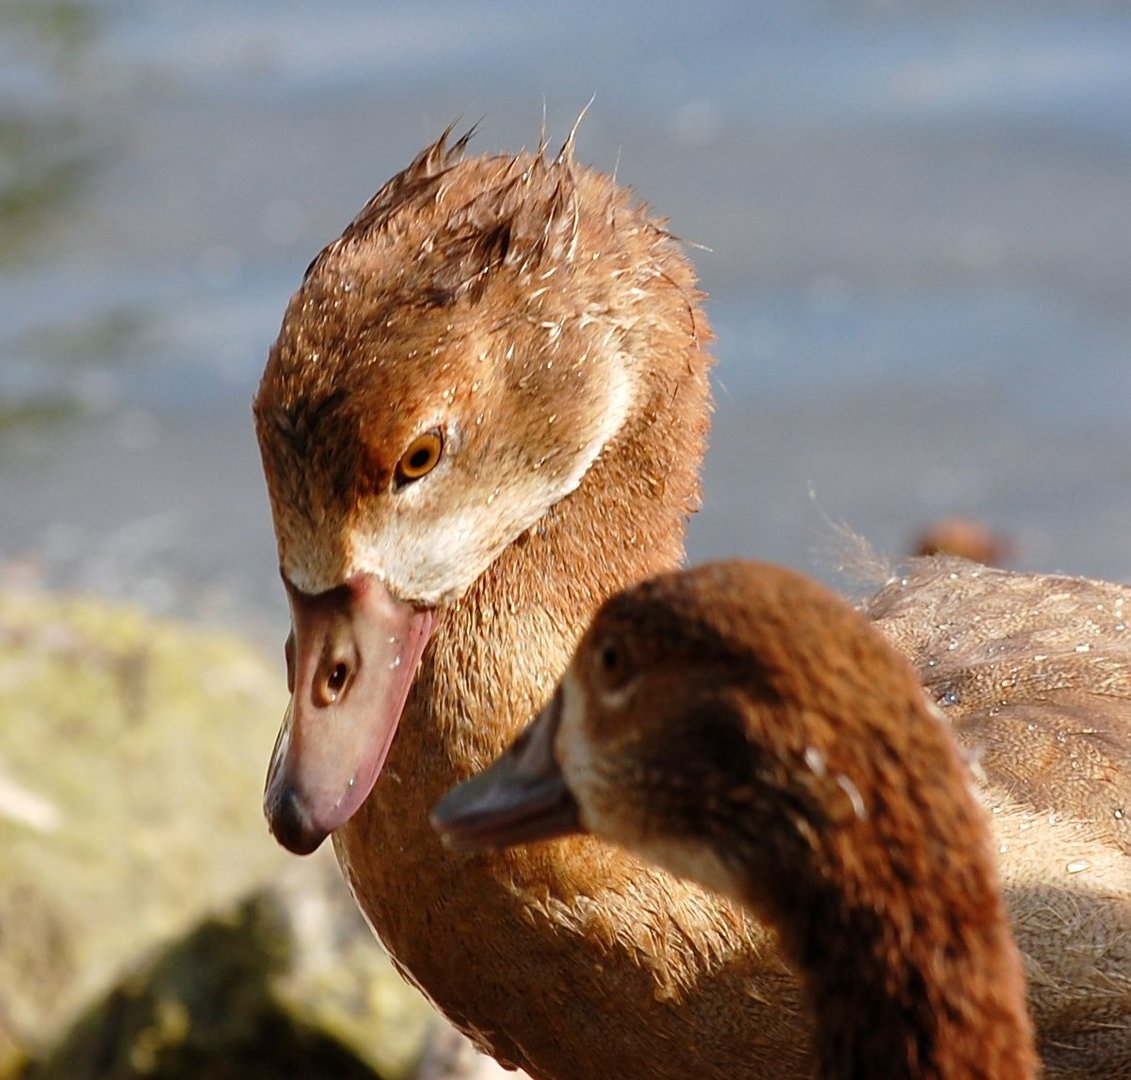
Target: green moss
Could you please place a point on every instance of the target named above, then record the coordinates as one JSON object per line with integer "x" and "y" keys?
{"x": 42, "y": 167}
{"x": 43, "y": 170}
{"x": 114, "y": 336}
{"x": 60, "y": 26}
{"x": 35, "y": 415}
{"x": 126, "y": 804}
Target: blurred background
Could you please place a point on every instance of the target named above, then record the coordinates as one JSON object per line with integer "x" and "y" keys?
{"x": 913, "y": 221}
{"x": 916, "y": 216}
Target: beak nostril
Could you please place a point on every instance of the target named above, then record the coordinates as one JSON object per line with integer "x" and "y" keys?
{"x": 332, "y": 684}
{"x": 289, "y": 654}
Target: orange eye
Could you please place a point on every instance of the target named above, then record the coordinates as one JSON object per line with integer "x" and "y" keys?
{"x": 421, "y": 457}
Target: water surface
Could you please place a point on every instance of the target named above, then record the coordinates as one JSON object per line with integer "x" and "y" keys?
{"x": 917, "y": 220}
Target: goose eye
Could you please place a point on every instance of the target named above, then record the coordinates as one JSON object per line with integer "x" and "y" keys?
{"x": 421, "y": 457}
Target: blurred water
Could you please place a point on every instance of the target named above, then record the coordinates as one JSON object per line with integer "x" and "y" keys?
{"x": 918, "y": 219}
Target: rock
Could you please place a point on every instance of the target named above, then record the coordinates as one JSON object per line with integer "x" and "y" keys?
{"x": 149, "y": 926}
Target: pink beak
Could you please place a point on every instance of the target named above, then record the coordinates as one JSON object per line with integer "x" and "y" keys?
{"x": 351, "y": 660}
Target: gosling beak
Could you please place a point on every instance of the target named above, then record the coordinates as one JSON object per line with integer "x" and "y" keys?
{"x": 351, "y": 663}
{"x": 520, "y": 798}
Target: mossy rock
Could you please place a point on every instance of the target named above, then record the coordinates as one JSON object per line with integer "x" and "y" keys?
{"x": 149, "y": 926}
{"x": 214, "y": 1006}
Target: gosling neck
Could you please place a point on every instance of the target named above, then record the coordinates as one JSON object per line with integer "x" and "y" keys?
{"x": 908, "y": 964}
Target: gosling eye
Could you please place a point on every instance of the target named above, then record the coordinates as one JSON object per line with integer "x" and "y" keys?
{"x": 611, "y": 665}
{"x": 421, "y": 456}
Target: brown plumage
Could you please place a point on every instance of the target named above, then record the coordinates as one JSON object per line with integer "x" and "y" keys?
{"x": 1034, "y": 672}
{"x": 744, "y": 727}
{"x": 565, "y": 372}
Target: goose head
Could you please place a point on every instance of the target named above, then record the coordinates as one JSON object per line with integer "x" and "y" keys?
{"x": 720, "y": 722}
{"x": 450, "y": 369}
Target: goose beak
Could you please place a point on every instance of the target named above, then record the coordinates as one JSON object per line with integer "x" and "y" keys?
{"x": 351, "y": 661}
{"x": 520, "y": 798}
